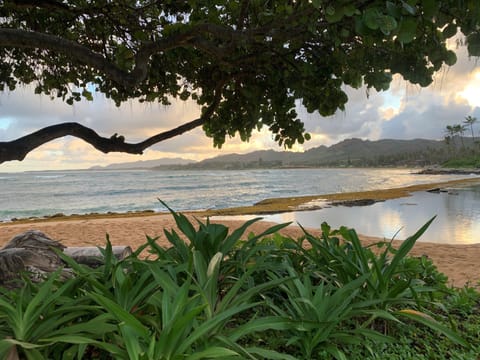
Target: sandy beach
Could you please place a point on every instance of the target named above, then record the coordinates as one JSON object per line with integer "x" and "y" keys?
{"x": 459, "y": 262}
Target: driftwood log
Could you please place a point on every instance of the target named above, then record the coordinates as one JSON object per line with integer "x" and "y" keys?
{"x": 92, "y": 256}
{"x": 33, "y": 252}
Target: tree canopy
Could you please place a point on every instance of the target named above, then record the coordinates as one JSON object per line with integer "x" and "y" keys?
{"x": 247, "y": 63}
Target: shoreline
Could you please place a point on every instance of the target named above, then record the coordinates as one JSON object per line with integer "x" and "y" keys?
{"x": 271, "y": 205}
{"x": 449, "y": 171}
{"x": 458, "y": 262}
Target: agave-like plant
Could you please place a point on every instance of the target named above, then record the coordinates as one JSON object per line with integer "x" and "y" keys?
{"x": 210, "y": 238}
{"x": 340, "y": 255}
{"x": 166, "y": 308}
{"x": 320, "y": 315}
{"x": 390, "y": 288}
{"x": 186, "y": 320}
{"x": 43, "y": 321}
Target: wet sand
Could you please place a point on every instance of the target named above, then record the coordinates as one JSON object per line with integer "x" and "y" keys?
{"x": 461, "y": 263}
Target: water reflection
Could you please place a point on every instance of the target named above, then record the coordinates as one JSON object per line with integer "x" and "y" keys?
{"x": 457, "y": 221}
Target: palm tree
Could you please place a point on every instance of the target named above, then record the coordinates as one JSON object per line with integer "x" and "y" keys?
{"x": 448, "y": 140}
{"x": 450, "y": 132}
{"x": 470, "y": 120}
{"x": 460, "y": 130}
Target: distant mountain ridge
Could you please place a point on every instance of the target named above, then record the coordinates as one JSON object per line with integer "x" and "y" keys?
{"x": 350, "y": 152}
{"x": 144, "y": 164}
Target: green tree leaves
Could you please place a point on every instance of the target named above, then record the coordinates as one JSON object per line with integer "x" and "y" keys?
{"x": 407, "y": 30}
{"x": 245, "y": 66}
{"x": 336, "y": 12}
{"x": 374, "y": 20}
{"x": 473, "y": 44}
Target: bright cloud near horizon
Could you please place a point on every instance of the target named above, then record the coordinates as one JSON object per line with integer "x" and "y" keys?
{"x": 403, "y": 112}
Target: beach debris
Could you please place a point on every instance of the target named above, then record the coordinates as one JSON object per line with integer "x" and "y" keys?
{"x": 33, "y": 239}
{"x": 34, "y": 253}
{"x": 92, "y": 255}
{"x": 30, "y": 251}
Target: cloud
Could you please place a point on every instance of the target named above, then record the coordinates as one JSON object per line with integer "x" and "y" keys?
{"x": 424, "y": 117}
{"x": 360, "y": 118}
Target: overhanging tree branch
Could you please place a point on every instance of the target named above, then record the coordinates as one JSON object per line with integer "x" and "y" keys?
{"x": 196, "y": 37}
{"x": 30, "y": 39}
{"x": 19, "y": 148}
{"x": 18, "y": 38}
{"x": 46, "y": 4}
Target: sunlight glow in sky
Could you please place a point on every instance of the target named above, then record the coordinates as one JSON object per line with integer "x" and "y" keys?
{"x": 472, "y": 91}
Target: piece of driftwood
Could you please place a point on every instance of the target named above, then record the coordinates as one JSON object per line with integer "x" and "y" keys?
{"x": 33, "y": 239}
{"x": 30, "y": 251}
{"x": 92, "y": 256}
{"x": 34, "y": 252}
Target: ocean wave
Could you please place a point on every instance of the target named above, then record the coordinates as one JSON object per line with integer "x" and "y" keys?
{"x": 49, "y": 176}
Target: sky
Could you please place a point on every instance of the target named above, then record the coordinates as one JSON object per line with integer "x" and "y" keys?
{"x": 403, "y": 112}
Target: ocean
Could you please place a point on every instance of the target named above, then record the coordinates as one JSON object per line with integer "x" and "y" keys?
{"x": 38, "y": 194}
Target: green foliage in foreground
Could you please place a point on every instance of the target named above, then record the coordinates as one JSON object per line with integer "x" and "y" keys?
{"x": 267, "y": 297}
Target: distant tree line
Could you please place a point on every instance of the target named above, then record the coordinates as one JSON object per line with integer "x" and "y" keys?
{"x": 463, "y": 150}
{"x": 458, "y": 131}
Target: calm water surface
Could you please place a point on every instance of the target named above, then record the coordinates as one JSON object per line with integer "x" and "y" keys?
{"x": 457, "y": 216}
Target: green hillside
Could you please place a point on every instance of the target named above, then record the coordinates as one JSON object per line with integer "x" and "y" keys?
{"x": 351, "y": 152}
